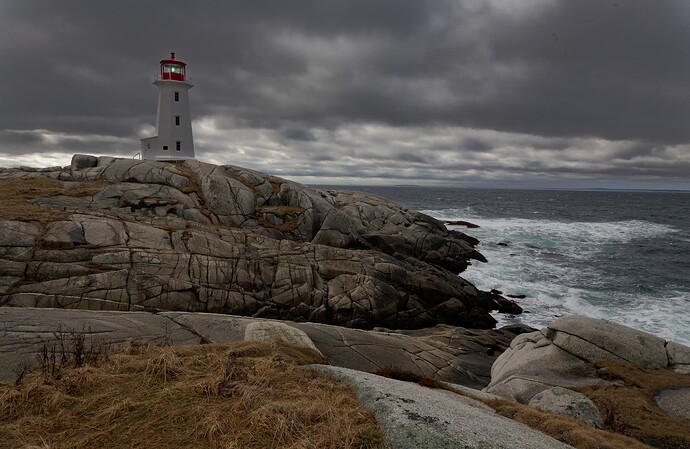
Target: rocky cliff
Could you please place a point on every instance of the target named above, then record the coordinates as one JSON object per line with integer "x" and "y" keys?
{"x": 128, "y": 235}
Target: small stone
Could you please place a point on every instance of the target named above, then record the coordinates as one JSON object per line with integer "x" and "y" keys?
{"x": 675, "y": 402}
{"x": 562, "y": 401}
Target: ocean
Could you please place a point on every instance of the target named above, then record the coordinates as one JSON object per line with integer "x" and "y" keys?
{"x": 618, "y": 255}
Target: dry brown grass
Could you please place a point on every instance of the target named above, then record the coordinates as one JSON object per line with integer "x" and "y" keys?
{"x": 276, "y": 183}
{"x": 193, "y": 186}
{"x": 568, "y": 430}
{"x": 630, "y": 407}
{"x": 289, "y": 214}
{"x": 16, "y": 196}
{"x": 236, "y": 395}
{"x": 280, "y": 211}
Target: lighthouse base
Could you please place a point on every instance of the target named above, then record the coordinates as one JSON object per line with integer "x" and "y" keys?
{"x": 153, "y": 149}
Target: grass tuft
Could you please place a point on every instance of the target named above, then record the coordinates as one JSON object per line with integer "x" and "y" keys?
{"x": 629, "y": 405}
{"x": 234, "y": 395}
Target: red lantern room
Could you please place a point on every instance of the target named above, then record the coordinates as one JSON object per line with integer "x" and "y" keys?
{"x": 172, "y": 69}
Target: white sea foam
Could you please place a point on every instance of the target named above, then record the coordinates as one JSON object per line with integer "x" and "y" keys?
{"x": 549, "y": 262}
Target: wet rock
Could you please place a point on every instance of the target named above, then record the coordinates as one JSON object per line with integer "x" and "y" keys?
{"x": 501, "y": 304}
{"x": 466, "y": 224}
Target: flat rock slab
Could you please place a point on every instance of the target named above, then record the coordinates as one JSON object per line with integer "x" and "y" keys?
{"x": 24, "y": 331}
{"x": 351, "y": 348}
{"x": 675, "y": 402}
{"x": 416, "y": 417}
{"x": 594, "y": 340}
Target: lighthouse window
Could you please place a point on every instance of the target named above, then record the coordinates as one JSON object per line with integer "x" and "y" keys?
{"x": 177, "y": 145}
{"x": 165, "y": 148}
{"x": 177, "y": 120}
{"x": 177, "y": 96}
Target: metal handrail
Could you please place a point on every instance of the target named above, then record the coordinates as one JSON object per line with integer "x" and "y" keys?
{"x": 187, "y": 79}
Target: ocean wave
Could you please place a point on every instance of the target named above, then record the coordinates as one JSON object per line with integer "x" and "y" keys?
{"x": 552, "y": 233}
{"x": 597, "y": 269}
{"x": 451, "y": 214}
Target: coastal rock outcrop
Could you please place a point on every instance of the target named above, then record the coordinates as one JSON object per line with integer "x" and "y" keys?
{"x": 196, "y": 237}
{"x": 565, "y": 353}
{"x": 448, "y": 354}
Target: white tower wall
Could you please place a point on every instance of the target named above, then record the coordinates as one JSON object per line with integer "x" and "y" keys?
{"x": 173, "y": 123}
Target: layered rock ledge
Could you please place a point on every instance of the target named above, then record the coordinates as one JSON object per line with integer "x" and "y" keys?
{"x": 460, "y": 356}
{"x": 132, "y": 235}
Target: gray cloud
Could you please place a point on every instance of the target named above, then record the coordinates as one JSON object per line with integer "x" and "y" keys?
{"x": 362, "y": 89}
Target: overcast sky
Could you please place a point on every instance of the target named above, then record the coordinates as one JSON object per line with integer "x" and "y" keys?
{"x": 555, "y": 93}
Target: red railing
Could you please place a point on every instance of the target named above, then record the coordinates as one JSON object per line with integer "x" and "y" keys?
{"x": 172, "y": 77}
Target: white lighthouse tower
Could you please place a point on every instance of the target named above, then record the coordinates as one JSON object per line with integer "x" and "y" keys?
{"x": 174, "y": 141}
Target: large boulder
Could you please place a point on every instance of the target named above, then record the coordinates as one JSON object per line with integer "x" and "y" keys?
{"x": 565, "y": 353}
{"x": 239, "y": 197}
{"x": 82, "y": 161}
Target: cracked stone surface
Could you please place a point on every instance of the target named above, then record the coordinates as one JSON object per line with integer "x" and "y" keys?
{"x": 564, "y": 354}
{"x": 416, "y": 417}
{"x": 197, "y": 237}
{"x": 23, "y": 331}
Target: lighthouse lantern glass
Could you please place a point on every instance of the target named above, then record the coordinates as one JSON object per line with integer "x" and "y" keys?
{"x": 173, "y": 71}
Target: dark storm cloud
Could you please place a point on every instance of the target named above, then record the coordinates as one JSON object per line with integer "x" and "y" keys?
{"x": 8, "y": 138}
{"x": 572, "y": 86}
{"x": 475, "y": 144}
{"x": 301, "y": 134}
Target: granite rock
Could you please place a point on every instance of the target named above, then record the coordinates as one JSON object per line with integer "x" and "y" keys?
{"x": 566, "y": 351}
{"x": 675, "y": 402}
{"x": 416, "y": 417}
{"x": 26, "y": 329}
{"x": 198, "y": 237}
{"x": 562, "y": 401}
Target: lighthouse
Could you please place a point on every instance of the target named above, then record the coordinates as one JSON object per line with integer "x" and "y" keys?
{"x": 174, "y": 141}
